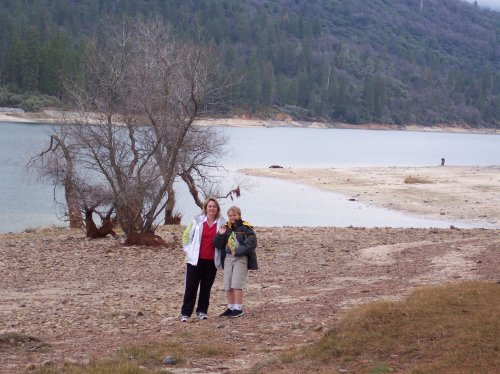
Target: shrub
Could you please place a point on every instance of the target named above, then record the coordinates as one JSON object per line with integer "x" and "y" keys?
{"x": 34, "y": 103}
{"x": 416, "y": 180}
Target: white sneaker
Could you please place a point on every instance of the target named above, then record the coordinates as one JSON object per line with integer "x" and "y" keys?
{"x": 202, "y": 316}
{"x": 184, "y": 318}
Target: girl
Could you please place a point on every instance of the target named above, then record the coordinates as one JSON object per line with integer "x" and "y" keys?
{"x": 237, "y": 241}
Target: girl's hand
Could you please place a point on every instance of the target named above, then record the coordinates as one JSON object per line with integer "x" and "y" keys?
{"x": 222, "y": 230}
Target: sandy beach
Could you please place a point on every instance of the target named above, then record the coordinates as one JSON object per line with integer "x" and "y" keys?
{"x": 462, "y": 193}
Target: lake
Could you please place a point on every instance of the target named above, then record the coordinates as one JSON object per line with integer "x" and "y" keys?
{"x": 26, "y": 204}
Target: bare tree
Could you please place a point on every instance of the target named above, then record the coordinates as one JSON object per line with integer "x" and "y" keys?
{"x": 56, "y": 165}
{"x": 133, "y": 125}
{"x": 198, "y": 160}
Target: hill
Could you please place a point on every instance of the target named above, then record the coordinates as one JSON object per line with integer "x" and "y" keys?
{"x": 379, "y": 61}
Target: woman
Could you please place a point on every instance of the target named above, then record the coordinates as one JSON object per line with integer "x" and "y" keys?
{"x": 202, "y": 259}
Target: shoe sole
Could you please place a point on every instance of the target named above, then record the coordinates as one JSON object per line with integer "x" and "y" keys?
{"x": 239, "y": 315}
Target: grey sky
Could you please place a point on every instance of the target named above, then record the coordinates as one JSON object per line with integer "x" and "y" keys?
{"x": 492, "y": 4}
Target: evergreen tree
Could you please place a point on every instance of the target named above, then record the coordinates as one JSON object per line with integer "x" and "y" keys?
{"x": 30, "y": 61}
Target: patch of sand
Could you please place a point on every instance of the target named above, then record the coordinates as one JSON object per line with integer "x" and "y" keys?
{"x": 464, "y": 193}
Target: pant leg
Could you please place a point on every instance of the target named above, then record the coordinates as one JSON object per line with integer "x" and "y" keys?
{"x": 193, "y": 277}
{"x": 207, "y": 280}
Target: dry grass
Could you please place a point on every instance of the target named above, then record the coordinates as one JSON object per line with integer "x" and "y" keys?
{"x": 449, "y": 329}
{"x": 417, "y": 180}
{"x": 101, "y": 367}
{"x": 144, "y": 359}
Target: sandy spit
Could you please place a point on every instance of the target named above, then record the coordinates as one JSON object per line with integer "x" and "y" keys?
{"x": 464, "y": 193}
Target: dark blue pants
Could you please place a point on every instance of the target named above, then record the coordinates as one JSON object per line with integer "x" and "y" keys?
{"x": 202, "y": 276}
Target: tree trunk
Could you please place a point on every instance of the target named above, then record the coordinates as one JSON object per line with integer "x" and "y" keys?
{"x": 186, "y": 177}
{"x": 75, "y": 216}
{"x": 93, "y": 232}
{"x": 170, "y": 218}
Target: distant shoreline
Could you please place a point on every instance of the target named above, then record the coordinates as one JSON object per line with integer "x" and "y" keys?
{"x": 55, "y": 117}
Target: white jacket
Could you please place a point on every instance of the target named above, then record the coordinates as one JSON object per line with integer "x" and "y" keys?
{"x": 191, "y": 240}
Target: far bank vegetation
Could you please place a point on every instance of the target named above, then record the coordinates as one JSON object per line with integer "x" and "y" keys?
{"x": 387, "y": 62}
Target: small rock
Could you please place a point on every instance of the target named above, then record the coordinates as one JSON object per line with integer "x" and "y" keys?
{"x": 317, "y": 328}
{"x": 169, "y": 361}
{"x": 30, "y": 366}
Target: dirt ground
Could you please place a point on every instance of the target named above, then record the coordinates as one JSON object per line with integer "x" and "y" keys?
{"x": 84, "y": 300}
{"x": 463, "y": 193}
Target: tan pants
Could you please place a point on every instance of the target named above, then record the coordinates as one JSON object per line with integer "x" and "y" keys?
{"x": 235, "y": 272}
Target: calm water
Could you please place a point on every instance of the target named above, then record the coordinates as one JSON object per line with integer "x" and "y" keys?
{"x": 299, "y": 147}
{"x": 25, "y": 203}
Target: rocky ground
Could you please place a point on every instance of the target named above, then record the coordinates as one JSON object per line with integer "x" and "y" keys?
{"x": 82, "y": 300}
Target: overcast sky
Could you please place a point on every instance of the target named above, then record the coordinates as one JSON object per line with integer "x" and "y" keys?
{"x": 493, "y": 4}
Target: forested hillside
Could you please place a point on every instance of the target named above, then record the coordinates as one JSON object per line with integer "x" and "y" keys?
{"x": 355, "y": 61}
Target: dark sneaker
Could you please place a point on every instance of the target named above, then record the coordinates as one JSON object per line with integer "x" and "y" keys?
{"x": 184, "y": 318}
{"x": 226, "y": 313}
{"x": 236, "y": 313}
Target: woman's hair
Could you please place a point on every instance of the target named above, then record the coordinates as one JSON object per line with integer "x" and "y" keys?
{"x": 234, "y": 209}
{"x": 216, "y": 203}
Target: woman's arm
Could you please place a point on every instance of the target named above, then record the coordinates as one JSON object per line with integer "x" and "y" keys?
{"x": 186, "y": 236}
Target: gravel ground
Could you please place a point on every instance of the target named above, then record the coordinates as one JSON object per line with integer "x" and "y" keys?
{"x": 84, "y": 300}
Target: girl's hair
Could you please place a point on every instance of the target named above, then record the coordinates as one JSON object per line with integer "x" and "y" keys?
{"x": 234, "y": 209}
{"x": 216, "y": 203}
